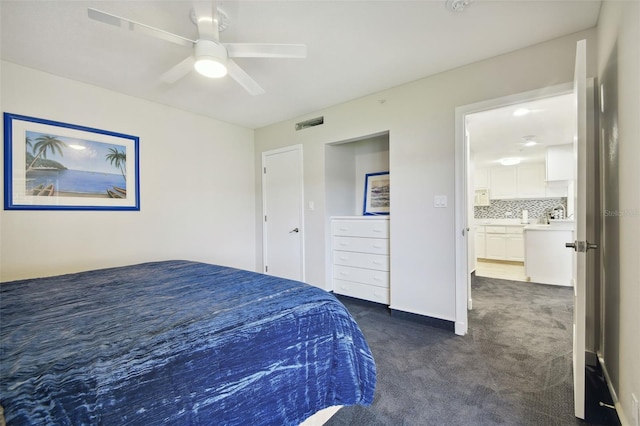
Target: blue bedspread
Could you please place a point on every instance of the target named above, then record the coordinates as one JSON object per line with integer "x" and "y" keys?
{"x": 177, "y": 343}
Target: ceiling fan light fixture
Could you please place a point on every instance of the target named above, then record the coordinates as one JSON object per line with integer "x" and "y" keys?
{"x": 211, "y": 59}
{"x": 210, "y": 67}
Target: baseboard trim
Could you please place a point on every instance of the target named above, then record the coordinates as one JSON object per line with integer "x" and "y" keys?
{"x": 612, "y": 391}
{"x": 426, "y": 320}
{"x": 359, "y": 301}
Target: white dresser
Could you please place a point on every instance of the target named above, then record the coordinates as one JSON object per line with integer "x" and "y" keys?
{"x": 360, "y": 252}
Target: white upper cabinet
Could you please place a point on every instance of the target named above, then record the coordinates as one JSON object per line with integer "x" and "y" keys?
{"x": 481, "y": 178}
{"x": 560, "y": 161}
{"x": 530, "y": 181}
{"x": 521, "y": 181}
{"x": 503, "y": 182}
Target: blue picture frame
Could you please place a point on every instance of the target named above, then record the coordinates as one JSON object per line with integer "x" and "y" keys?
{"x": 50, "y": 165}
{"x": 377, "y": 192}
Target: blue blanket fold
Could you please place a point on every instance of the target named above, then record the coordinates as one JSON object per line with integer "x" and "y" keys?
{"x": 176, "y": 342}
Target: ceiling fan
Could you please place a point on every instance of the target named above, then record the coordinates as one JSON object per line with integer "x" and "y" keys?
{"x": 210, "y": 57}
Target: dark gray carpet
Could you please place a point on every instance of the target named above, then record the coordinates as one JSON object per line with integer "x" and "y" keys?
{"x": 512, "y": 368}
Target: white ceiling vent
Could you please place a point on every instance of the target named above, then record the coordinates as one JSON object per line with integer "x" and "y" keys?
{"x": 310, "y": 123}
{"x": 457, "y": 5}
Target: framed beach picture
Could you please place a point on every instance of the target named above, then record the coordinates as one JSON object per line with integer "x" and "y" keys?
{"x": 50, "y": 165}
{"x": 376, "y": 194}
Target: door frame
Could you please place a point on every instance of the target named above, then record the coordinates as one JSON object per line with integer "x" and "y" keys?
{"x": 265, "y": 234}
{"x": 463, "y": 274}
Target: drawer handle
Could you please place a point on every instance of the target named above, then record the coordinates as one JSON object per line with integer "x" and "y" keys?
{"x": 343, "y": 244}
{"x": 344, "y": 287}
{"x": 343, "y": 258}
{"x": 378, "y": 230}
{"x": 377, "y": 246}
{"x": 344, "y": 274}
{"x": 377, "y": 262}
{"x": 376, "y": 294}
{"x": 377, "y": 279}
{"x": 343, "y": 228}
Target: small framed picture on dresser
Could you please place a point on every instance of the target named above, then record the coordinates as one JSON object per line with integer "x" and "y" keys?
{"x": 376, "y": 194}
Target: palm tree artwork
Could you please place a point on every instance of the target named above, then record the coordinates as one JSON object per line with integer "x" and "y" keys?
{"x": 43, "y": 144}
{"x": 118, "y": 159}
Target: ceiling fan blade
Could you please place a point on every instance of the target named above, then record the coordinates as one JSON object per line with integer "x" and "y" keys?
{"x": 265, "y": 50}
{"x": 179, "y": 70}
{"x": 207, "y": 20}
{"x": 128, "y": 24}
{"x": 243, "y": 79}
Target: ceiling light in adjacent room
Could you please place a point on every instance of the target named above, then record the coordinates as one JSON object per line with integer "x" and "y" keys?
{"x": 530, "y": 140}
{"x": 520, "y": 112}
{"x": 510, "y": 161}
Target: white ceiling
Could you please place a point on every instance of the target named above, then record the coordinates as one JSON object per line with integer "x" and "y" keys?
{"x": 498, "y": 133}
{"x": 355, "y": 48}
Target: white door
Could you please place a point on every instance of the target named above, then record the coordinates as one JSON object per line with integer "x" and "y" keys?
{"x": 282, "y": 207}
{"x": 580, "y": 245}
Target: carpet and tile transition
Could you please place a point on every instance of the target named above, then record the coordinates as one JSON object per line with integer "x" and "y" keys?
{"x": 512, "y": 368}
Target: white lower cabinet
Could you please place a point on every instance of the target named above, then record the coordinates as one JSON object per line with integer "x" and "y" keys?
{"x": 515, "y": 243}
{"x": 495, "y": 246}
{"x": 501, "y": 243}
{"x": 360, "y": 257}
{"x": 480, "y": 242}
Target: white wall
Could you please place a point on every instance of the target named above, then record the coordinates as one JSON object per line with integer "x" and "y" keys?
{"x": 372, "y": 156}
{"x": 196, "y": 186}
{"x": 618, "y": 36}
{"x": 420, "y": 118}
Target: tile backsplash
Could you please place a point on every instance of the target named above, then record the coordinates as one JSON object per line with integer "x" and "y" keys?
{"x": 498, "y": 209}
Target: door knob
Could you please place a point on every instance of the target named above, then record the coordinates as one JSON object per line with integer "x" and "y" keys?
{"x": 581, "y": 246}
{"x": 296, "y": 230}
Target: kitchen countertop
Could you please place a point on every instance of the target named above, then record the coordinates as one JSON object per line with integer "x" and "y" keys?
{"x": 499, "y": 222}
{"x": 554, "y": 225}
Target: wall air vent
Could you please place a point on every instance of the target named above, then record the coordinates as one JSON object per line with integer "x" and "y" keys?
{"x": 310, "y": 123}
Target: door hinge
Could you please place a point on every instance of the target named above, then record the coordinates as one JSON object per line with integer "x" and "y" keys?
{"x": 265, "y": 218}
{"x": 264, "y": 170}
{"x": 266, "y": 268}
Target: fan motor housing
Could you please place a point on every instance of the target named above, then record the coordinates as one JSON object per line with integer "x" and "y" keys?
{"x": 210, "y": 49}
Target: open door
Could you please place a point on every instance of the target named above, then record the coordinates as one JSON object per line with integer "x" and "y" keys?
{"x": 580, "y": 245}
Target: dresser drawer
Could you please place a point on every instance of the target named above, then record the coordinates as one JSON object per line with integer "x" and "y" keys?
{"x": 361, "y": 260}
{"x": 364, "y": 245}
{"x": 361, "y": 291}
{"x": 361, "y": 228}
{"x": 361, "y": 275}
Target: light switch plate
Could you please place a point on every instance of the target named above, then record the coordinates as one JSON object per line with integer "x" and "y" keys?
{"x": 440, "y": 201}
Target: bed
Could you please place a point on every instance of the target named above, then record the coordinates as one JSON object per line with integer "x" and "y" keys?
{"x": 176, "y": 342}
